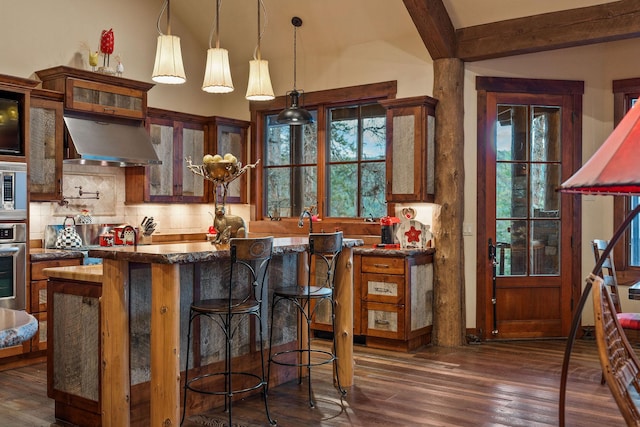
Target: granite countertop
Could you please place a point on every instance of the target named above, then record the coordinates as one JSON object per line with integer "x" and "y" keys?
{"x": 190, "y": 252}
{"x": 16, "y": 326}
{"x": 85, "y": 273}
{"x": 368, "y": 250}
{"x": 41, "y": 254}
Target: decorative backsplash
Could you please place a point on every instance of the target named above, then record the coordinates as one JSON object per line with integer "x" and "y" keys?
{"x": 110, "y": 208}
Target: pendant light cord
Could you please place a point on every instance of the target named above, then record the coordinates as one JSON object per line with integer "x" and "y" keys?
{"x": 165, "y": 6}
{"x": 216, "y": 28}
{"x": 295, "y": 60}
{"x": 256, "y": 51}
{"x": 296, "y": 22}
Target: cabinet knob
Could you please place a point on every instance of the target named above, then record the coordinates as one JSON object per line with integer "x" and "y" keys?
{"x": 381, "y": 265}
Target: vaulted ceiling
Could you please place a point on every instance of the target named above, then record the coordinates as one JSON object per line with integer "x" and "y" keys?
{"x": 467, "y": 29}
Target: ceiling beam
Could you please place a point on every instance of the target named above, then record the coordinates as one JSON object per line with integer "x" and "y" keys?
{"x": 434, "y": 26}
{"x": 576, "y": 27}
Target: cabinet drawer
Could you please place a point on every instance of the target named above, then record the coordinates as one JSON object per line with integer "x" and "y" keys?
{"x": 383, "y": 288}
{"x": 384, "y": 265}
{"x": 37, "y": 267}
{"x": 384, "y": 320}
{"x": 38, "y": 296}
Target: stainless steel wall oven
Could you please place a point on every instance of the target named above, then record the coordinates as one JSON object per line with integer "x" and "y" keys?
{"x": 13, "y": 265}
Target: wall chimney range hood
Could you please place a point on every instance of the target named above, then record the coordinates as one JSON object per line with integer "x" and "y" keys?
{"x": 110, "y": 143}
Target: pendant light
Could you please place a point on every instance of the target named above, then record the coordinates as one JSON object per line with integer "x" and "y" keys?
{"x": 217, "y": 74}
{"x": 293, "y": 114}
{"x": 259, "y": 86}
{"x": 168, "y": 66}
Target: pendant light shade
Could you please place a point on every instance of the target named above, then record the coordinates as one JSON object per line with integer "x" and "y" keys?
{"x": 168, "y": 67}
{"x": 217, "y": 74}
{"x": 294, "y": 114}
{"x": 613, "y": 168}
{"x": 259, "y": 87}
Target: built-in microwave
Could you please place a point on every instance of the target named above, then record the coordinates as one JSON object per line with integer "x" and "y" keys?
{"x": 13, "y": 191}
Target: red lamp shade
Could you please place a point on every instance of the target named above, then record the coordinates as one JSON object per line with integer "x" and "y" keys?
{"x": 614, "y": 169}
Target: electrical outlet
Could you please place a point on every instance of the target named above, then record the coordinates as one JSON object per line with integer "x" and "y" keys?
{"x": 467, "y": 229}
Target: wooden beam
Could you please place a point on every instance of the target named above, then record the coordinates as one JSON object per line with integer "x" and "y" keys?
{"x": 569, "y": 28}
{"x": 434, "y": 26}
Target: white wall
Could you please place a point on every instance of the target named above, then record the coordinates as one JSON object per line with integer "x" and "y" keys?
{"x": 38, "y": 34}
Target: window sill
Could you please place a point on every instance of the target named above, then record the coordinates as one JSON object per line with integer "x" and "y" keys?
{"x": 289, "y": 227}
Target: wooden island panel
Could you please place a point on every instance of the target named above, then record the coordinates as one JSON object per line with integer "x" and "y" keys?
{"x": 148, "y": 289}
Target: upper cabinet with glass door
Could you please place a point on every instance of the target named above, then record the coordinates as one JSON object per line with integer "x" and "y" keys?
{"x": 410, "y": 149}
{"x": 97, "y": 94}
{"x": 176, "y": 137}
{"x": 46, "y": 145}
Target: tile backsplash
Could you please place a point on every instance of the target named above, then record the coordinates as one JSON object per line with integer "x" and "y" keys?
{"x": 109, "y": 206}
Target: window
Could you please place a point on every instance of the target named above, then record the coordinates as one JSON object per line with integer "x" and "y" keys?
{"x": 627, "y": 250}
{"x": 335, "y": 165}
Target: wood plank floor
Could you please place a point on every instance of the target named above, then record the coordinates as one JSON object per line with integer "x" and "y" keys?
{"x": 490, "y": 384}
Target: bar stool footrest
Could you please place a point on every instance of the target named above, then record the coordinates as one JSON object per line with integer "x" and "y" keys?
{"x": 328, "y": 357}
{"x": 260, "y": 383}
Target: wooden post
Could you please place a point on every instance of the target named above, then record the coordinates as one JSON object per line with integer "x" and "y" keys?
{"x": 344, "y": 316}
{"x": 165, "y": 345}
{"x": 448, "y": 306}
{"x": 114, "y": 322}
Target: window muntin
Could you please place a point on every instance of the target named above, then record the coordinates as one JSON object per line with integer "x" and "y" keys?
{"x": 354, "y": 168}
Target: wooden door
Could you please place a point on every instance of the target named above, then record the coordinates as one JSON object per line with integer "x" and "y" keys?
{"x": 528, "y": 252}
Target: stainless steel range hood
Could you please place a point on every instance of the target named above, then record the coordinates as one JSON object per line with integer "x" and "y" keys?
{"x": 110, "y": 144}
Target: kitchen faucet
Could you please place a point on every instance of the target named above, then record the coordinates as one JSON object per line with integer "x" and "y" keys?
{"x": 306, "y": 212}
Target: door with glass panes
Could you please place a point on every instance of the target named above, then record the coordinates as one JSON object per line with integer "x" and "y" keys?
{"x": 526, "y": 259}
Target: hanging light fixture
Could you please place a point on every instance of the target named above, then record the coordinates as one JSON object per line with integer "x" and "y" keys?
{"x": 259, "y": 86}
{"x": 168, "y": 66}
{"x": 293, "y": 114}
{"x": 217, "y": 74}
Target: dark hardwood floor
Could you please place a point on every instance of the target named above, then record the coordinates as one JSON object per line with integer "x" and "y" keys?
{"x": 490, "y": 384}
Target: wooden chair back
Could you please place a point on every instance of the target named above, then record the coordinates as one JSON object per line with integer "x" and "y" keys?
{"x": 620, "y": 365}
{"x": 608, "y": 272}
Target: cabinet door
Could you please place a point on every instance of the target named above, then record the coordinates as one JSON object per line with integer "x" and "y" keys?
{"x": 231, "y": 138}
{"x": 45, "y": 150}
{"x": 174, "y": 142}
{"x": 410, "y": 149}
{"x": 106, "y": 99}
{"x": 161, "y": 177}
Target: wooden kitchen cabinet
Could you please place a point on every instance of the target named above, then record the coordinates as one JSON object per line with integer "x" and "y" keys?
{"x": 230, "y": 136}
{"x": 396, "y": 291}
{"x": 410, "y": 149}
{"x": 175, "y": 137}
{"x": 37, "y": 300}
{"x": 392, "y": 299}
{"x": 46, "y": 145}
{"x": 97, "y": 94}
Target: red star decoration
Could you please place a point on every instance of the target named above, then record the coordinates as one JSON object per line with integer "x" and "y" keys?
{"x": 413, "y": 235}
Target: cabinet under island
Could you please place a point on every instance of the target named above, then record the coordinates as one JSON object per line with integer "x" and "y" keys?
{"x": 137, "y": 303}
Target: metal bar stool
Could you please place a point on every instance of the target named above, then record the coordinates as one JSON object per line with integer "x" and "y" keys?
{"x": 250, "y": 260}
{"x": 322, "y": 256}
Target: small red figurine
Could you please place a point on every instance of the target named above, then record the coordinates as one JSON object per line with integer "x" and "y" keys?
{"x": 106, "y": 45}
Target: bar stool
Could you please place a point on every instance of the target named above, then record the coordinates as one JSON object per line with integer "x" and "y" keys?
{"x": 322, "y": 255}
{"x": 250, "y": 260}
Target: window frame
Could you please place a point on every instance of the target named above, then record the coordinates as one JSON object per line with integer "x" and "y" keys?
{"x": 320, "y": 101}
{"x": 623, "y": 91}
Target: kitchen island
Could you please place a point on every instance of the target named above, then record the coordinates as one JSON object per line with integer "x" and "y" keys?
{"x": 143, "y": 310}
